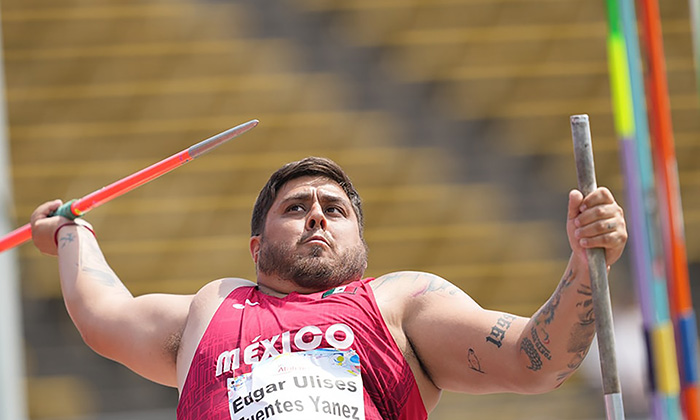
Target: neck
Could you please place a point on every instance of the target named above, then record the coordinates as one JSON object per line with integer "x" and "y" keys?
{"x": 280, "y": 288}
{"x": 270, "y": 291}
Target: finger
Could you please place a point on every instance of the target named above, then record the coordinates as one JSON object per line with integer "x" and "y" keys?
{"x": 600, "y": 195}
{"x": 606, "y": 240}
{"x": 45, "y": 209}
{"x": 575, "y": 200}
{"x": 598, "y": 213}
{"x": 599, "y": 227}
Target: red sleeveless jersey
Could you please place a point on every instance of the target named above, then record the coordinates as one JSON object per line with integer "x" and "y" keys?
{"x": 250, "y": 327}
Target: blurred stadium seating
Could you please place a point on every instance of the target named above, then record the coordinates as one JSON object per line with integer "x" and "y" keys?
{"x": 451, "y": 116}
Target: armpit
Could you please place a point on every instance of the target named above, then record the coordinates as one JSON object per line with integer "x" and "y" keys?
{"x": 172, "y": 345}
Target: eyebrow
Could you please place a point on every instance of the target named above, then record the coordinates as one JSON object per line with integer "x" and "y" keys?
{"x": 324, "y": 197}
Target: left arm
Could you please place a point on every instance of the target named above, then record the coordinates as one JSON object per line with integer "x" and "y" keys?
{"x": 463, "y": 347}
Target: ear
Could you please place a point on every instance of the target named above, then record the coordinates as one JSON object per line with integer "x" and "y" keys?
{"x": 255, "y": 247}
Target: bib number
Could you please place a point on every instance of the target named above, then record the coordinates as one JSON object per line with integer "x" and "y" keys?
{"x": 319, "y": 384}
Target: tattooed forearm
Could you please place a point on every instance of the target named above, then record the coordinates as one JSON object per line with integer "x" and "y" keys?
{"x": 66, "y": 239}
{"x": 579, "y": 348}
{"x": 579, "y": 342}
{"x": 105, "y": 277}
{"x": 568, "y": 278}
{"x": 546, "y": 314}
{"x": 585, "y": 313}
{"x": 582, "y": 333}
{"x": 530, "y": 351}
{"x": 498, "y": 331}
{"x": 93, "y": 264}
{"x": 92, "y": 255}
{"x": 539, "y": 345}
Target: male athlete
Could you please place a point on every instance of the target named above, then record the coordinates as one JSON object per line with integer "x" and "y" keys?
{"x": 313, "y": 339}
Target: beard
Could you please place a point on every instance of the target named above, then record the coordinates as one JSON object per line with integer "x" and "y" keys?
{"x": 312, "y": 271}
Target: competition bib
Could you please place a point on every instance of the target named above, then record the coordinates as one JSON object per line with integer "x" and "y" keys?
{"x": 318, "y": 384}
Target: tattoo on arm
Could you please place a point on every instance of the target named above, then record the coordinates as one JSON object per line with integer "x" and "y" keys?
{"x": 498, "y": 331}
{"x": 547, "y": 313}
{"x": 383, "y": 280}
{"x": 529, "y": 349}
{"x": 586, "y": 315}
{"x": 103, "y": 276}
{"x": 66, "y": 239}
{"x": 425, "y": 283}
{"x": 434, "y": 284}
{"x": 582, "y": 333}
{"x": 539, "y": 345}
{"x": 93, "y": 263}
{"x": 568, "y": 278}
{"x": 473, "y": 361}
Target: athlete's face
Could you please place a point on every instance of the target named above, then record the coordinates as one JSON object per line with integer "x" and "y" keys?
{"x": 311, "y": 237}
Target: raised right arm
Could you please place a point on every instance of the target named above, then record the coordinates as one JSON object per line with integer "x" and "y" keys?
{"x": 143, "y": 333}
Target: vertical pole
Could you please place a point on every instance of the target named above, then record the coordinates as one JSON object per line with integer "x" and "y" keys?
{"x": 13, "y": 404}
{"x": 669, "y": 200}
{"x": 597, "y": 267}
{"x": 695, "y": 27}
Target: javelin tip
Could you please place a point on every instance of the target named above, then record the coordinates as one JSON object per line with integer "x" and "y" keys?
{"x": 221, "y": 138}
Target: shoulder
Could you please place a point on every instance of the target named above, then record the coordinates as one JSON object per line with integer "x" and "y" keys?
{"x": 223, "y": 286}
{"x": 208, "y": 299}
{"x": 412, "y": 284}
{"x": 407, "y": 293}
{"x": 213, "y": 293}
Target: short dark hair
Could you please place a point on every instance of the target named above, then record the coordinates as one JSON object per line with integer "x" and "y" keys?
{"x": 310, "y": 166}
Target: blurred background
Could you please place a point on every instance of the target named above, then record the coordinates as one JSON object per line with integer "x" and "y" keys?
{"x": 451, "y": 117}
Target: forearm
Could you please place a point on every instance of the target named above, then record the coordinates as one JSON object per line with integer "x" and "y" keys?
{"x": 557, "y": 338}
{"x": 90, "y": 287}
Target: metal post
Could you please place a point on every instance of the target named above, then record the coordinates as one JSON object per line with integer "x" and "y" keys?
{"x": 13, "y": 400}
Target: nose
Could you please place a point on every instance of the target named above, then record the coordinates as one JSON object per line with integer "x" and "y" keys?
{"x": 316, "y": 219}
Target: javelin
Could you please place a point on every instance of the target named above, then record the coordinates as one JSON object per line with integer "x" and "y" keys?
{"x": 597, "y": 267}
{"x": 77, "y": 207}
